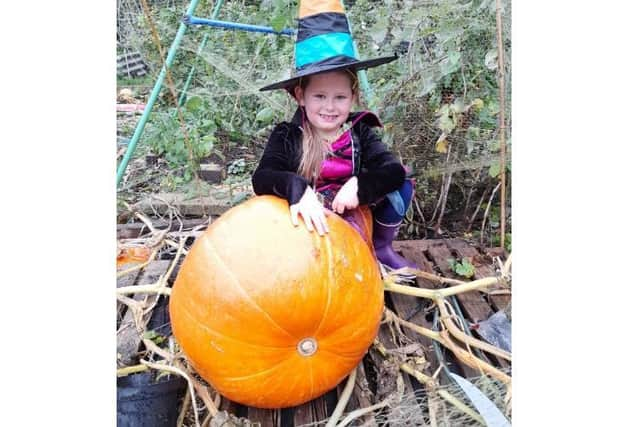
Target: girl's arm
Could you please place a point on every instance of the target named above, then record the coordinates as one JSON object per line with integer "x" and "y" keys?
{"x": 276, "y": 171}
{"x": 380, "y": 172}
{"x": 276, "y": 175}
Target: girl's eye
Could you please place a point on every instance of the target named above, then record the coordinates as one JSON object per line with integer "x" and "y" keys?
{"x": 318, "y": 96}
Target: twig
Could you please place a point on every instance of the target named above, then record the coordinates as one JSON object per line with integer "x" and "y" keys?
{"x": 183, "y": 410}
{"x": 469, "y": 340}
{"x": 363, "y": 411}
{"x": 467, "y": 201}
{"x": 144, "y": 289}
{"x": 419, "y": 329}
{"x": 473, "y": 361}
{"x": 139, "y": 266}
{"x": 475, "y": 212}
{"x": 153, "y": 347}
{"x": 344, "y": 398}
{"x": 486, "y": 213}
{"x": 123, "y": 372}
{"x": 444, "y": 202}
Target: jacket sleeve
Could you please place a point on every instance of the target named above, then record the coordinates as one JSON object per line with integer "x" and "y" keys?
{"x": 380, "y": 171}
{"x": 276, "y": 171}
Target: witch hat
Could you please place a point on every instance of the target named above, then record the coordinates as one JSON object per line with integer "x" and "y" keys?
{"x": 324, "y": 43}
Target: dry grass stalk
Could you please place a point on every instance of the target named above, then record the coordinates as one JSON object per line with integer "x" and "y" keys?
{"x": 344, "y": 398}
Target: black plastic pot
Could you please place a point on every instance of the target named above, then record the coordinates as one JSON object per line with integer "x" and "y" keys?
{"x": 160, "y": 322}
{"x": 143, "y": 402}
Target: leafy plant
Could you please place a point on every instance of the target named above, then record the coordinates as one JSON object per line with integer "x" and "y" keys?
{"x": 464, "y": 268}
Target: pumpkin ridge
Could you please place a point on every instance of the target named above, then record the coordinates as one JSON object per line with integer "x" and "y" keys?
{"x": 335, "y": 353}
{"x": 328, "y": 259}
{"x": 311, "y": 383}
{"x": 242, "y": 290}
{"x": 214, "y": 332}
{"x": 266, "y": 371}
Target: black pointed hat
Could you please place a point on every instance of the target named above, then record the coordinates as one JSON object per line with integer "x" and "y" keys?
{"x": 324, "y": 43}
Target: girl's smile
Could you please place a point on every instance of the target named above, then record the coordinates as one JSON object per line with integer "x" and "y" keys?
{"x": 327, "y": 101}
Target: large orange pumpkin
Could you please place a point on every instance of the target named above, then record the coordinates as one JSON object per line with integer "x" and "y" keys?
{"x": 273, "y": 315}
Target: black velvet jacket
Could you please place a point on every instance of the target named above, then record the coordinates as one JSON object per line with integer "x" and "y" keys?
{"x": 378, "y": 171}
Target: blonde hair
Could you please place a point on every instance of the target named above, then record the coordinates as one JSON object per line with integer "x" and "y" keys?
{"x": 313, "y": 149}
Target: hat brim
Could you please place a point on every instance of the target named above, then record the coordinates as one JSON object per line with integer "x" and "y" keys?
{"x": 356, "y": 66}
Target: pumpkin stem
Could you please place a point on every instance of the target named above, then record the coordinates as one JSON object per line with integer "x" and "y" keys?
{"x": 307, "y": 347}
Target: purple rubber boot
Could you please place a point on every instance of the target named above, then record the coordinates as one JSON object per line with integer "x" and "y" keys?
{"x": 383, "y": 235}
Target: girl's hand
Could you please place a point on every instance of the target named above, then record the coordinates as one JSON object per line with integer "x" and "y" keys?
{"x": 312, "y": 212}
{"x": 347, "y": 197}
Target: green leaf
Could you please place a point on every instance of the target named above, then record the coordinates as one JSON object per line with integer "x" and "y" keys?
{"x": 465, "y": 269}
{"x": 193, "y": 104}
{"x": 279, "y": 22}
{"x": 445, "y": 123}
{"x": 265, "y": 115}
{"x": 491, "y": 59}
{"x": 494, "y": 170}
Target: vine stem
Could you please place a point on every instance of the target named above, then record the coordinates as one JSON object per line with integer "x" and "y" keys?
{"x": 434, "y": 294}
{"x": 344, "y": 398}
{"x": 144, "y": 289}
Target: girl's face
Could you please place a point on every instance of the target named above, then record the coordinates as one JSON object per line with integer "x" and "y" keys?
{"x": 327, "y": 100}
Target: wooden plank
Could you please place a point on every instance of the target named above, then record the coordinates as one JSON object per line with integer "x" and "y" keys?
{"x": 128, "y": 337}
{"x": 198, "y": 206}
{"x": 499, "y": 302}
{"x": 314, "y": 411}
{"x": 463, "y": 250}
{"x": 136, "y": 229}
{"x": 361, "y": 397}
{"x": 472, "y": 302}
{"x": 420, "y": 245}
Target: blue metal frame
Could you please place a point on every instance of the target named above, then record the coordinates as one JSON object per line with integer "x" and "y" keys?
{"x": 194, "y": 20}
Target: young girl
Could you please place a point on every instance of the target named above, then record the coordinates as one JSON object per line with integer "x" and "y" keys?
{"x": 347, "y": 167}
{"x": 327, "y": 157}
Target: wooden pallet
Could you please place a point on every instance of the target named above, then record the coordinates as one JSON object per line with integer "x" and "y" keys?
{"x": 431, "y": 256}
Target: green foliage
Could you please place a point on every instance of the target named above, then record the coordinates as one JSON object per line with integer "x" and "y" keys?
{"x": 166, "y": 135}
{"x": 439, "y": 100}
{"x": 464, "y": 268}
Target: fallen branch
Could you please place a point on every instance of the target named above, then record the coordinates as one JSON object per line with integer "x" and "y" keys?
{"x": 434, "y": 294}
{"x": 445, "y": 318}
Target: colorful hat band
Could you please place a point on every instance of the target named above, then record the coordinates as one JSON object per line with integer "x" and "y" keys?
{"x": 323, "y": 47}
